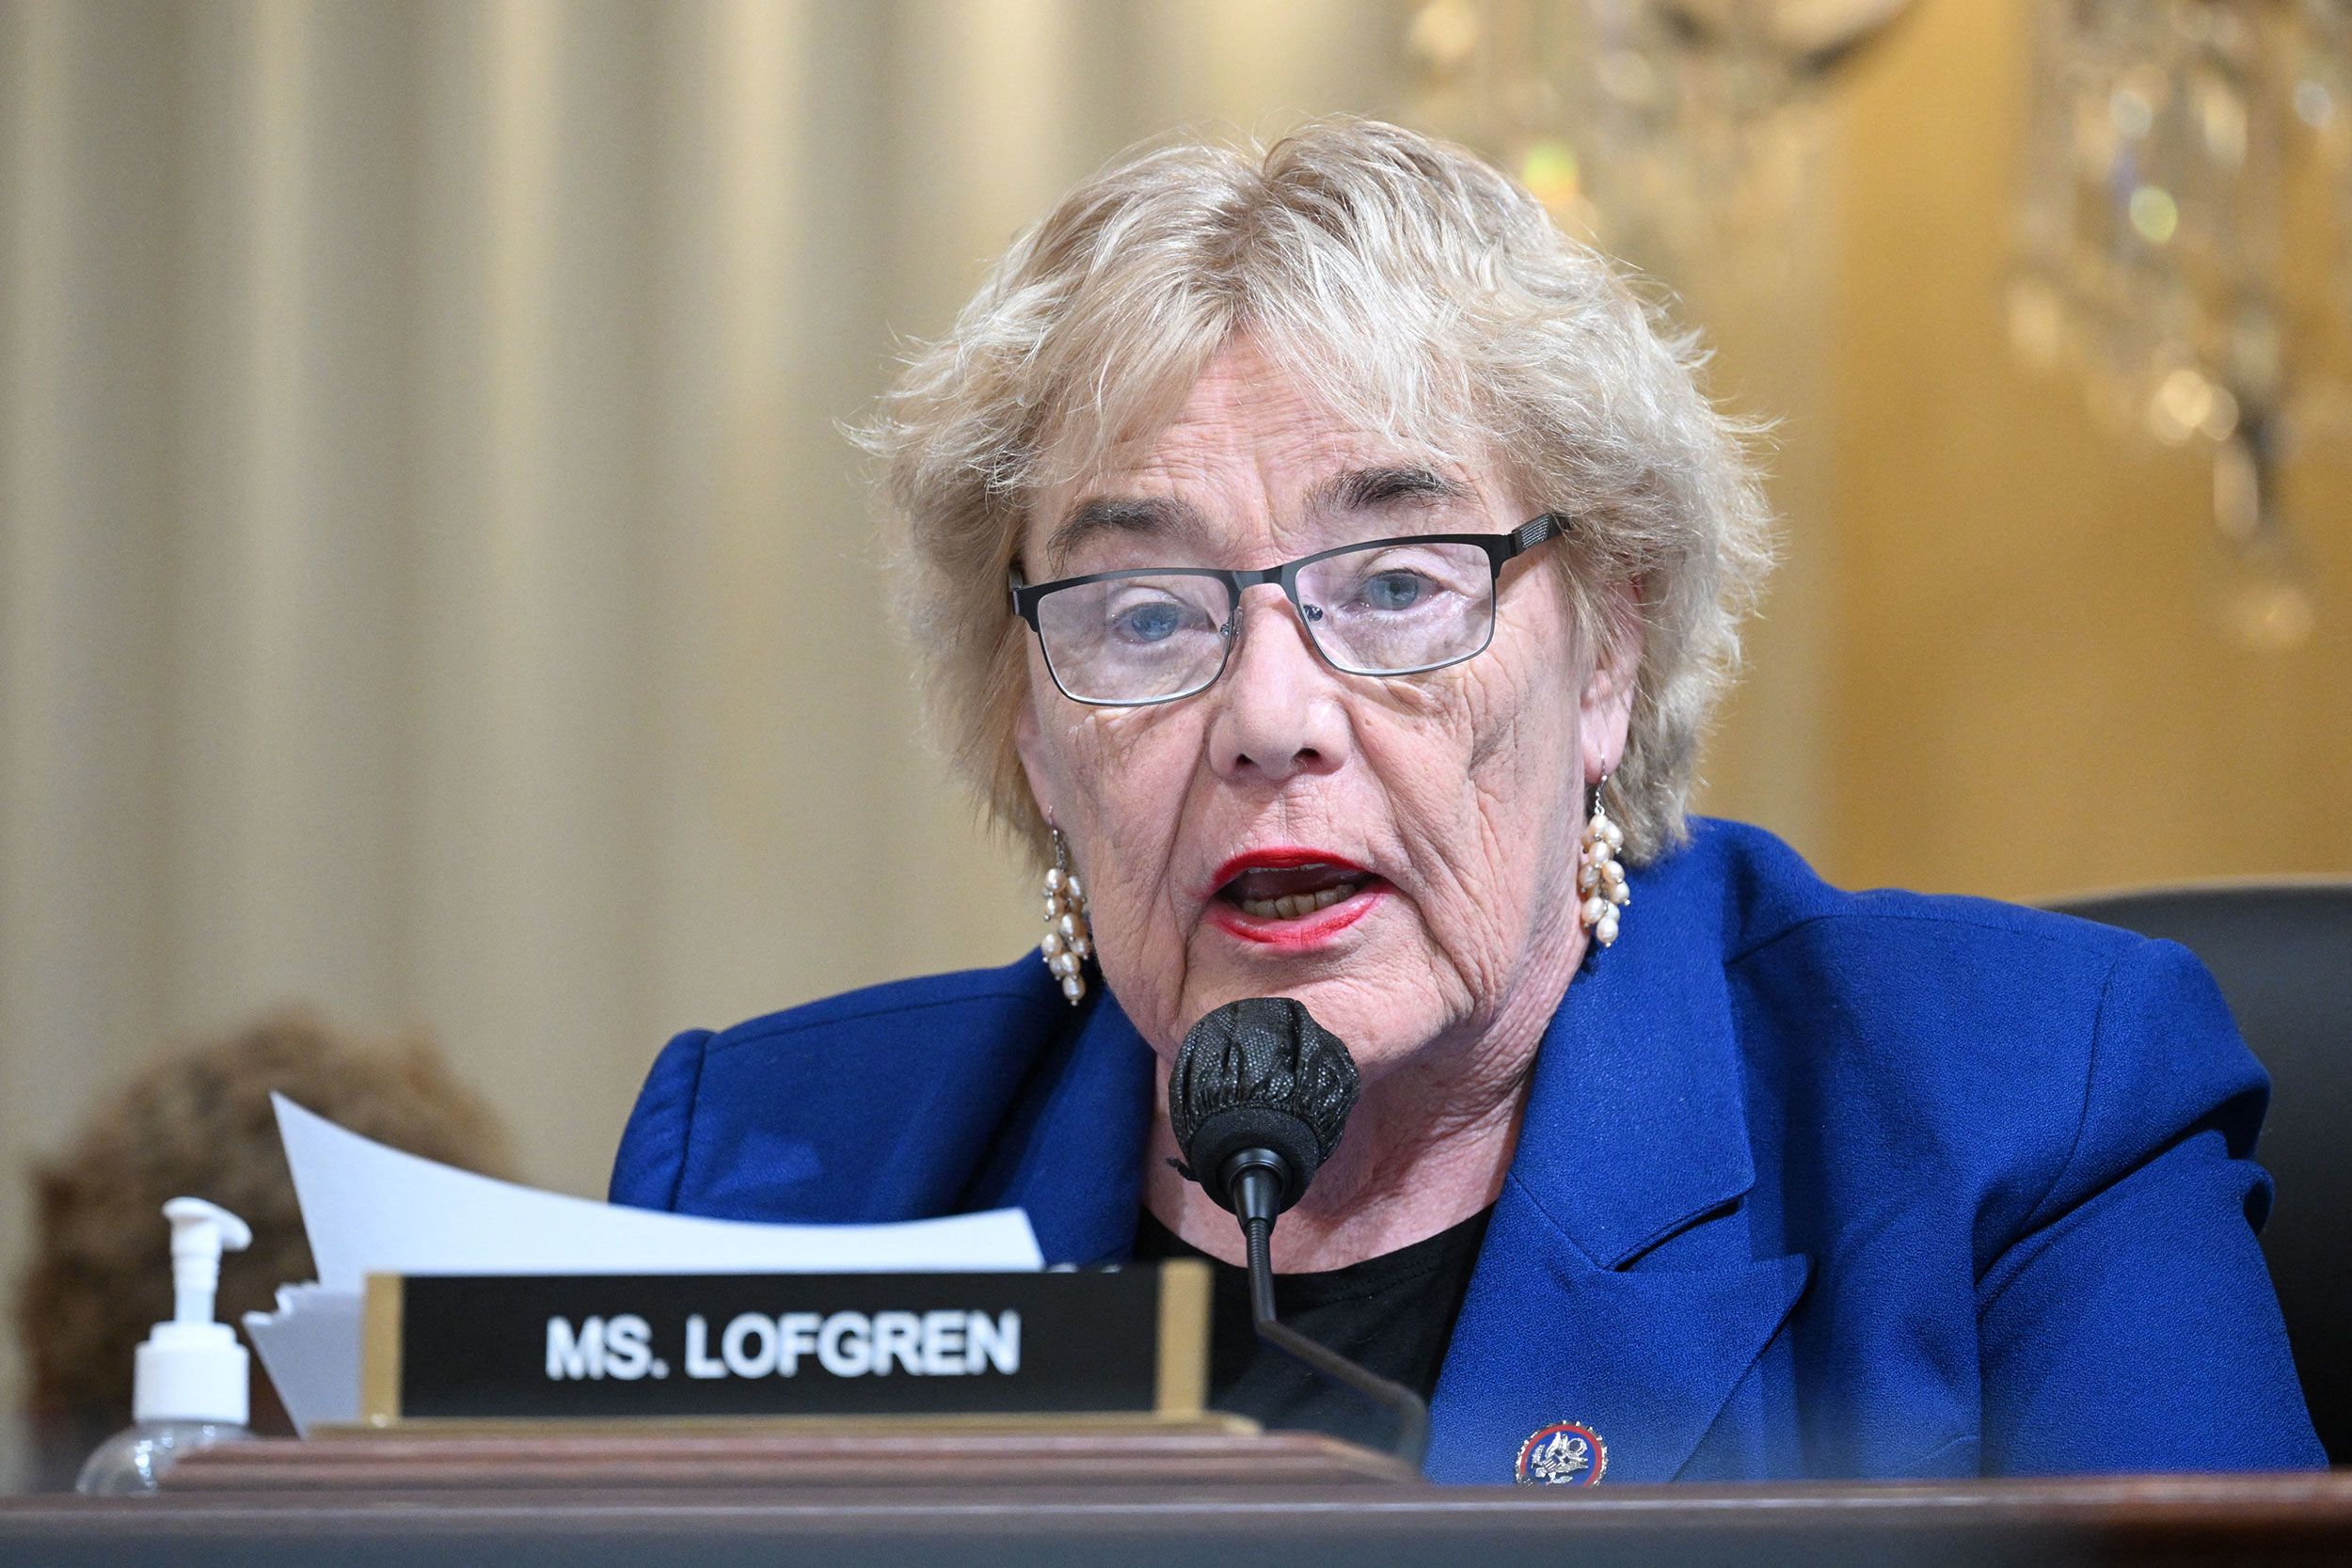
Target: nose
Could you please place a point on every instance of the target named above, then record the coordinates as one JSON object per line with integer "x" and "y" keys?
{"x": 1279, "y": 712}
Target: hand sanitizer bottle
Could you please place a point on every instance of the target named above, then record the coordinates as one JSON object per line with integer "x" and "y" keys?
{"x": 188, "y": 1386}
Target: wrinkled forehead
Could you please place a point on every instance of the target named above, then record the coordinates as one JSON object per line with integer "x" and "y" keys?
{"x": 1251, "y": 460}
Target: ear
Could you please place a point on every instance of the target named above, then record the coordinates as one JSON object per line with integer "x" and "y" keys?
{"x": 1029, "y": 741}
{"x": 1605, "y": 706}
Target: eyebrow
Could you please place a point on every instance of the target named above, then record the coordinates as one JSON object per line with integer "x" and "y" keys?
{"x": 1148, "y": 516}
{"x": 1370, "y": 489}
{"x": 1355, "y": 490}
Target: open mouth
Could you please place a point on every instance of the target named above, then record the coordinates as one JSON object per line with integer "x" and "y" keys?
{"x": 1291, "y": 892}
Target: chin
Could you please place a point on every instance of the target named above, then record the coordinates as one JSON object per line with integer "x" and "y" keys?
{"x": 1377, "y": 1032}
{"x": 1379, "y": 1027}
{"x": 1363, "y": 967}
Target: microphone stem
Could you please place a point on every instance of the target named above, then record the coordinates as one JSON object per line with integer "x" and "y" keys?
{"x": 1259, "y": 1234}
{"x": 1411, "y": 1413}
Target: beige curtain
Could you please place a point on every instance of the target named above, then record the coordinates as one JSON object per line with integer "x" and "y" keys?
{"x": 431, "y": 581}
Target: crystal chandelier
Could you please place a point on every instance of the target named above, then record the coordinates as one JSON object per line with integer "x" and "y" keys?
{"x": 2183, "y": 245}
{"x": 1669, "y": 131}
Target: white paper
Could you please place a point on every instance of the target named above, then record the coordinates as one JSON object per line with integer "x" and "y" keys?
{"x": 372, "y": 1210}
{"x": 310, "y": 1346}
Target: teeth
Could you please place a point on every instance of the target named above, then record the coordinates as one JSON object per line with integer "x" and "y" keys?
{"x": 1291, "y": 906}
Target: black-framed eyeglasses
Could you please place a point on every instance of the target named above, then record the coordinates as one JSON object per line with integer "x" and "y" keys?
{"x": 1386, "y": 606}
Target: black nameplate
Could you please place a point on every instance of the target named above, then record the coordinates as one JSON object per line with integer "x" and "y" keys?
{"x": 599, "y": 1347}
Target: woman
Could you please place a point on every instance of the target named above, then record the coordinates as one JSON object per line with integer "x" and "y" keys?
{"x": 1328, "y": 569}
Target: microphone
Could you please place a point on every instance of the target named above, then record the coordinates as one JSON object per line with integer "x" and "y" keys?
{"x": 1258, "y": 1099}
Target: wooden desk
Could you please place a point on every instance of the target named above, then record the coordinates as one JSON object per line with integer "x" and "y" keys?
{"x": 513, "y": 1511}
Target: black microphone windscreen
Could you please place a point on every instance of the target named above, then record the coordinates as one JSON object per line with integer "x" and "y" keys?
{"x": 1262, "y": 1072}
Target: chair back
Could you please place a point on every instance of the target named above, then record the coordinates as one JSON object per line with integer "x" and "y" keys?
{"x": 2283, "y": 954}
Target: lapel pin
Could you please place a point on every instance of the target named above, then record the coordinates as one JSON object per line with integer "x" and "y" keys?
{"x": 1566, "y": 1453}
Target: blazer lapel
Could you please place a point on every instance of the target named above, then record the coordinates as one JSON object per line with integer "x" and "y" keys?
{"x": 1647, "y": 1357}
{"x": 1620, "y": 1284}
{"x": 1071, "y": 1150}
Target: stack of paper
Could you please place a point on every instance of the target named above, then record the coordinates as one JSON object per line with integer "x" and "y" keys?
{"x": 372, "y": 1210}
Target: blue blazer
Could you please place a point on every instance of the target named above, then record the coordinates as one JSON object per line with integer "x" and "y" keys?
{"x": 1810, "y": 1182}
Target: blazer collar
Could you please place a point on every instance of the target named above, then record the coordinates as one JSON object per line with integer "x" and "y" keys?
{"x": 1635, "y": 1137}
{"x": 1070, "y": 1150}
{"x": 1635, "y": 1125}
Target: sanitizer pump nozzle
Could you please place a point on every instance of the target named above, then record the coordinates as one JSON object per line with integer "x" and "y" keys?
{"x": 192, "y": 1369}
{"x": 190, "y": 1379}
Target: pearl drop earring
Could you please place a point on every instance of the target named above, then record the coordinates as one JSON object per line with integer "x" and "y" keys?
{"x": 1068, "y": 940}
{"x": 1599, "y": 877}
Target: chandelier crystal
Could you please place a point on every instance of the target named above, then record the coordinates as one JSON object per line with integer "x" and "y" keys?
{"x": 2183, "y": 246}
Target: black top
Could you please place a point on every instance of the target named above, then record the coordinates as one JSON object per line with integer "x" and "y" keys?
{"x": 1393, "y": 1313}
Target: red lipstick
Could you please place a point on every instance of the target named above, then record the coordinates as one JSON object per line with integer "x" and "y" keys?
{"x": 1280, "y": 857}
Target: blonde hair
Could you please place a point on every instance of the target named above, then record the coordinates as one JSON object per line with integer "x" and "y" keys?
{"x": 1412, "y": 288}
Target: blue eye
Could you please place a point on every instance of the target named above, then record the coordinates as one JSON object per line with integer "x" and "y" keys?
{"x": 1393, "y": 591}
{"x": 1148, "y": 623}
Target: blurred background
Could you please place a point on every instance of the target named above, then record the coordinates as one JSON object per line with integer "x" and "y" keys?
{"x": 433, "y": 586}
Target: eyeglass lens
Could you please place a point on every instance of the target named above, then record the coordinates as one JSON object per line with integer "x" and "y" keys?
{"x": 1385, "y": 609}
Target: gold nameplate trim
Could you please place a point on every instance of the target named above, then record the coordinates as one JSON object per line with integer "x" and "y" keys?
{"x": 380, "y": 1313}
{"x": 1184, "y": 1372}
